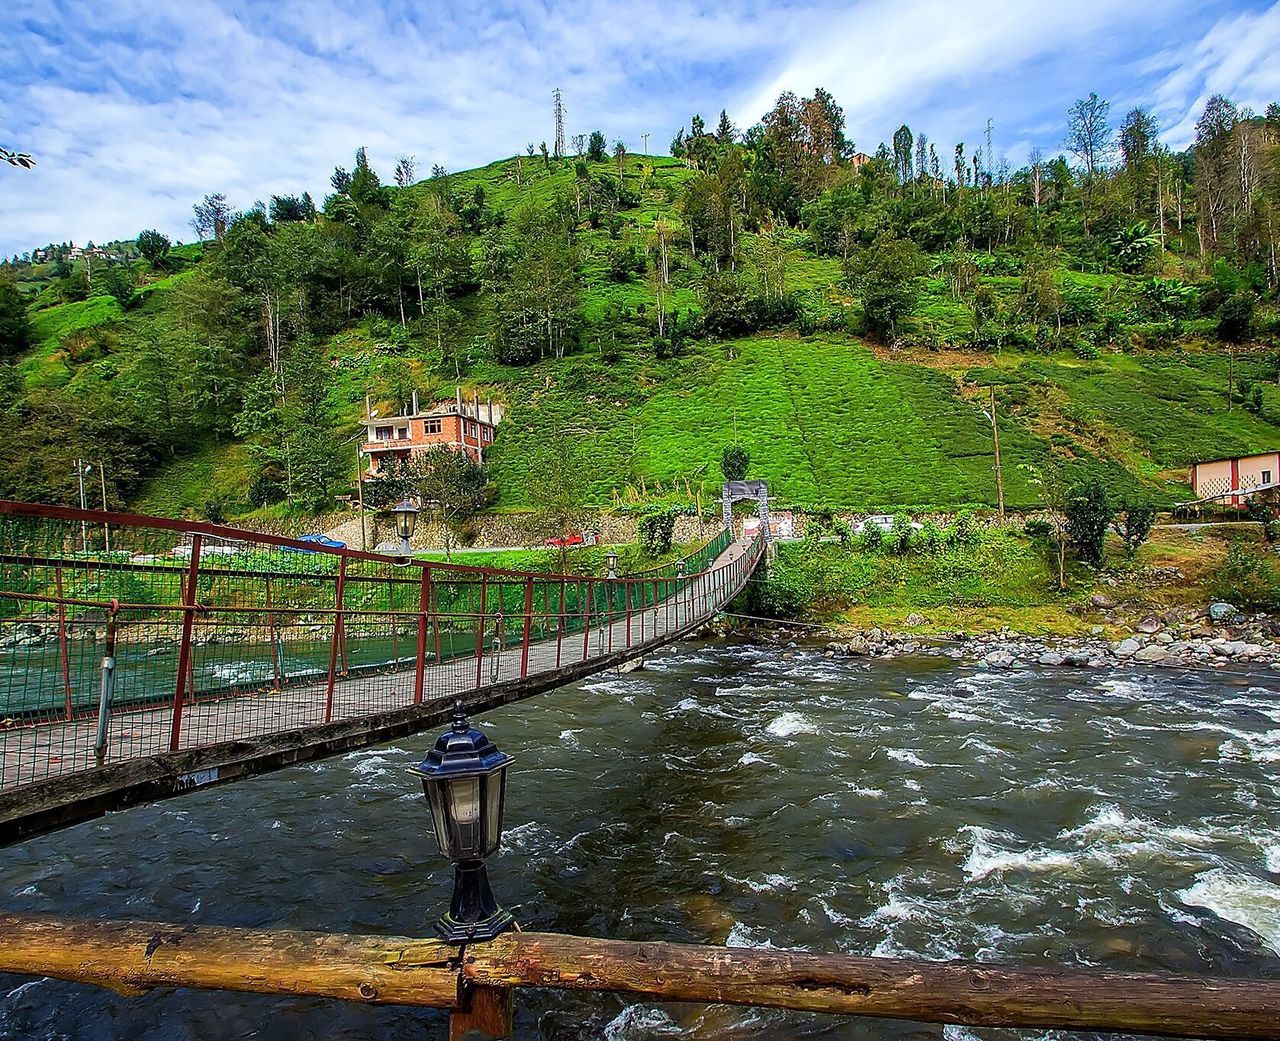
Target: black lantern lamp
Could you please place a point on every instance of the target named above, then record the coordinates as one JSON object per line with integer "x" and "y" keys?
{"x": 611, "y": 564}
{"x": 465, "y": 778}
{"x": 406, "y": 515}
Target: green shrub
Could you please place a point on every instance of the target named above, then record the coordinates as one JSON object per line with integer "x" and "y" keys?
{"x": 898, "y": 540}
{"x": 656, "y": 530}
{"x": 1235, "y": 317}
{"x": 1036, "y": 528}
{"x": 929, "y": 539}
{"x": 870, "y": 537}
{"x": 963, "y": 531}
{"x": 1133, "y": 524}
{"x": 1088, "y": 511}
{"x": 1247, "y": 578}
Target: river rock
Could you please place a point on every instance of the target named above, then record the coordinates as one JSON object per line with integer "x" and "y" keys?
{"x": 1165, "y": 638}
{"x": 1102, "y": 601}
{"x": 1150, "y": 624}
{"x": 915, "y": 619}
{"x": 998, "y": 660}
{"x": 1220, "y": 612}
{"x": 1051, "y": 657}
{"x": 1152, "y": 653}
{"x": 1127, "y": 648}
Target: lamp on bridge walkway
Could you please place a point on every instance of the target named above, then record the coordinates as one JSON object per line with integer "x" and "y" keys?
{"x": 611, "y": 563}
{"x": 406, "y": 515}
{"x": 465, "y": 779}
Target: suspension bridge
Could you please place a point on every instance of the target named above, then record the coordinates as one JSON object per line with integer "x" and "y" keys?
{"x": 143, "y": 657}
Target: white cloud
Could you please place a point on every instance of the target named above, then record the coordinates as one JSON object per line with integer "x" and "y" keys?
{"x": 134, "y": 109}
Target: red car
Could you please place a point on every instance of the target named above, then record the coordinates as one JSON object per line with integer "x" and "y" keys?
{"x": 575, "y": 538}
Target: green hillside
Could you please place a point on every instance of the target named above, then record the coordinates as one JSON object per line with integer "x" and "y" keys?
{"x": 841, "y": 323}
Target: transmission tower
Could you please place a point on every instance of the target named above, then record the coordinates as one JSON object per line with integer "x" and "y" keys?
{"x": 559, "y": 109}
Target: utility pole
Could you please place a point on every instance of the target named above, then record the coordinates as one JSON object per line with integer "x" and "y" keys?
{"x": 84, "y": 527}
{"x": 559, "y": 110}
{"x": 645, "y": 138}
{"x": 106, "y": 528}
{"x": 364, "y": 539}
{"x": 995, "y": 436}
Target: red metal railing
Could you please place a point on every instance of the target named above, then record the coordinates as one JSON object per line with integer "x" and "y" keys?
{"x": 224, "y": 634}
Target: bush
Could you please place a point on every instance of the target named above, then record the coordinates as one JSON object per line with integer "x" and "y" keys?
{"x": 1133, "y": 524}
{"x": 1088, "y": 511}
{"x": 1235, "y": 317}
{"x": 929, "y": 539}
{"x": 656, "y": 531}
{"x": 898, "y": 539}
{"x": 1246, "y": 578}
{"x": 870, "y": 537}
{"x": 962, "y": 532}
{"x": 1036, "y": 528}
{"x": 734, "y": 462}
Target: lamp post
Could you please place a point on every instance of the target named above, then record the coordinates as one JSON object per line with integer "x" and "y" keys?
{"x": 406, "y": 515}
{"x": 464, "y": 778}
{"x": 611, "y": 564}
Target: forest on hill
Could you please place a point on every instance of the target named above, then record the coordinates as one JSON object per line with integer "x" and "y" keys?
{"x": 847, "y": 316}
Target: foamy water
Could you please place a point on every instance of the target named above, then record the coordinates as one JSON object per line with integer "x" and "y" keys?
{"x": 736, "y": 795}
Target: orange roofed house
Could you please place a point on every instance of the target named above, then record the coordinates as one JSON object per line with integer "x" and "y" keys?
{"x": 464, "y": 426}
{"x": 1230, "y": 481}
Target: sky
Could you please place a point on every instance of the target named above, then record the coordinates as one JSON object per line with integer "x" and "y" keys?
{"x": 135, "y": 109}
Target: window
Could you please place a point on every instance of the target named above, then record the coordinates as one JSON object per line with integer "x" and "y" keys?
{"x": 1266, "y": 476}
{"x": 431, "y": 426}
{"x": 382, "y": 434}
{"x": 488, "y": 434}
{"x": 402, "y": 433}
{"x": 471, "y": 429}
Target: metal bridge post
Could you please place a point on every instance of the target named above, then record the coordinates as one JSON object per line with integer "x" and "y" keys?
{"x": 273, "y": 635}
{"x": 586, "y": 622}
{"x": 560, "y": 625}
{"x": 626, "y": 586}
{"x": 528, "y": 622}
{"x": 335, "y": 639}
{"x": 184, "y": 647}
{"x": 424, "y": 605}
{"x": 63, "y": 657}
{"x": 484, "y": 592}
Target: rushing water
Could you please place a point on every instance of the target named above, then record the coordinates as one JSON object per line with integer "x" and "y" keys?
{"x": 738, "y": 794}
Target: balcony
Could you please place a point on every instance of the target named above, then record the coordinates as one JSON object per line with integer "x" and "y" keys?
{"x": 390, "y": 444}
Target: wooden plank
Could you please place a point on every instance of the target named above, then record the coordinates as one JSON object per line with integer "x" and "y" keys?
{"x": 134, "y": 957}
{"x": 975, "y": 994}
{"x": 486, "y": 1014}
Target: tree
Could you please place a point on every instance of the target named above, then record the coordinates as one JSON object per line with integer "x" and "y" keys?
{"x": 884, "y": 278}
{"x": 1133, "y": 523}
{"x": 285, "y": 209}
{"x": 452, "y": 487}
{"x": 596, "y": 146}
{"x": 365, "y": 185}
{"x": 903, "y": 141}
{"x": 735, "y": 460}
{"x": 1088, "y": 511}
{"x": 117, "y": 282}
{"x": 725, "y": 131}
{"x": 154, "y": 247}
{"x": 1235, "y": 317}
{"x": 557, "y": 484}
{"x": 15, "y": 326}
{"x": 620, "y": 157}
{"x": 405, "y": 171}
{"x": 212, "y": 217}
{"x": 1088, "y": 133}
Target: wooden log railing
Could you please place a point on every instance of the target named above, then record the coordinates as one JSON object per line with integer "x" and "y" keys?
{"x": 475, "y": 982}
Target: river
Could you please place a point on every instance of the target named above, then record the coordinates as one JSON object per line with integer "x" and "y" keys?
{"x": 740, "y": 794}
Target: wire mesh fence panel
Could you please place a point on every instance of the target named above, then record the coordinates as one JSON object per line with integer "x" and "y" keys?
{"x": 123, "y": 637}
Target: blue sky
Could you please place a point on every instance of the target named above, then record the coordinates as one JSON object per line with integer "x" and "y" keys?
{"x": 135, "y": 109}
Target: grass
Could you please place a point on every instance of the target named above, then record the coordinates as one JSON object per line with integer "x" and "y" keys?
{"x": 1005, "y": 579}
{"x": 45, "y": 365}
{"x": 189, "y": 484}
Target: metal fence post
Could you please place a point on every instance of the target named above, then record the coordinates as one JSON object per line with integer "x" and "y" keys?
{"x": 560, "y": 625}
{"x": 63, "y": 655}
{"x": 484, "y": 590}
{"x": 184, "y": 647}
{"x": 586, "y": 621}
{"x": 424, "y": 603}
{"x": 528, "y": 622}
{"x": 336, "y": 638}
